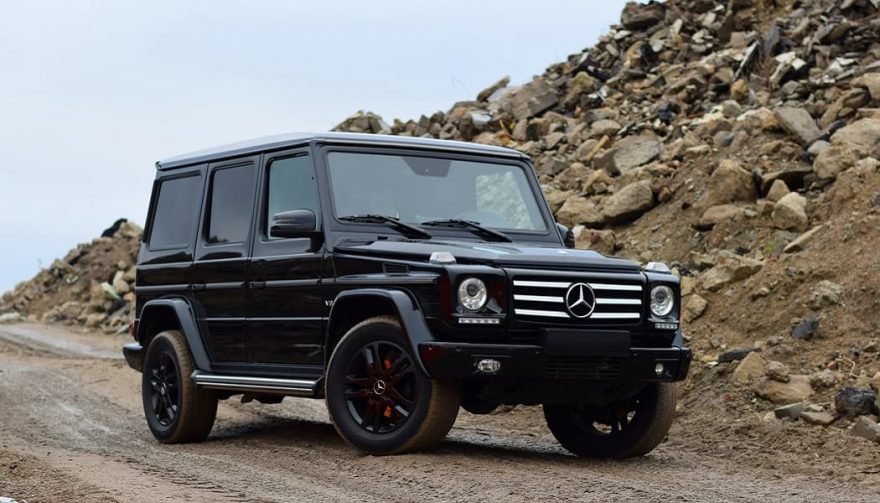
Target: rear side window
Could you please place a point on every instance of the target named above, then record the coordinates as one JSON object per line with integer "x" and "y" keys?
{"x": 232, "y": 203}
{"x": 177, "y": 207}
{"x": 291, "y": 187}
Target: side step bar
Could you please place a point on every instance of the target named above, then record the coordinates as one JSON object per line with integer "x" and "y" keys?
{"x": 248, "y": 384}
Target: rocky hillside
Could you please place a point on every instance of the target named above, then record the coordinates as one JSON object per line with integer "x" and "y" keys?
{"x": 737, "y": 141}
{"x": 92, "y": 286}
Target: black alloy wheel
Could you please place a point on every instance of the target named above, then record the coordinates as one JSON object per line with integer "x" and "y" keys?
{"x": 165, "y": 389}
{"x": 379, "y": 398}
{"x": 626, "y": 428}
{"x": 380, "y": 393}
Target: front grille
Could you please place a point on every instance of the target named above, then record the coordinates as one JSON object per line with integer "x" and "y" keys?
{"x": 543, "y": 299}
{"x": 582, "y": 367}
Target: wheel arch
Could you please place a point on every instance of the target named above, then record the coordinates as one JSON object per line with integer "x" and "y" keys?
{"x": 353, "y": 306}
{"x": 159, "y": 315}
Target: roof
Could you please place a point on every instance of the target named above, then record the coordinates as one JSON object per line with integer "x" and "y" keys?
{"x": 281, "y": 141}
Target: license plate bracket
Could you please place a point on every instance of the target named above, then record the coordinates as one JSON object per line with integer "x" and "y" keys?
{"x": 561, "y": 342}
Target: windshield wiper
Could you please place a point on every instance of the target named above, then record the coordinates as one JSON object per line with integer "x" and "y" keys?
{"x": 473, "y": 226}
{"x": 401, "y": 227}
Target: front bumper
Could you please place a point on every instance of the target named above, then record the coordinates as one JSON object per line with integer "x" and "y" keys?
{"x": 452, "y": 360}
{"x": 134, "y": 355}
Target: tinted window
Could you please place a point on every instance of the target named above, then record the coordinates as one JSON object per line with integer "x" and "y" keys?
{"x": 291, "y": 187}
{"x": 232, "y": 203}
{"x": 176, "y": 213}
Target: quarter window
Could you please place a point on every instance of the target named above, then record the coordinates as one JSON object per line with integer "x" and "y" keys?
{"x": 232, "y": 202}
{"x": 291, "y": 187}
{"x": 176, "y": 213}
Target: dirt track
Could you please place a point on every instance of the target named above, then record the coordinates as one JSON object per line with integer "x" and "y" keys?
{"x": 71, "y": 429}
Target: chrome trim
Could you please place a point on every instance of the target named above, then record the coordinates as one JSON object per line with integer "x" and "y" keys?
{"x": 619, "y": 302}
{"x": 296, "y": 387}
{"x": 536, "y": 298}
{"x": 620, "y": 288}
{"x": 542, "y": 284}
{"x": 615, "y": 316}
{"x": 537, "y": 312}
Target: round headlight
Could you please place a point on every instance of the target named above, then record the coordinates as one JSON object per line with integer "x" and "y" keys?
{"x": 661, "y": 300}
{"x": 472, "y": 294}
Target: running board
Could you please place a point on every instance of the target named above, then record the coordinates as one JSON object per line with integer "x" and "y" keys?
{"x": 248, "y": 384}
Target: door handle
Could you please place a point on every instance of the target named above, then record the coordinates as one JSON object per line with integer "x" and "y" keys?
{"x": 256, "y": 284}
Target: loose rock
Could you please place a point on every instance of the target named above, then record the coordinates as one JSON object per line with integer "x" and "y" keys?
{"x": 852, "y": 401}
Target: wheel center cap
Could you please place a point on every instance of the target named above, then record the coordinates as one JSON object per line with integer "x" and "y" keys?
{"x": 379, "y": 387}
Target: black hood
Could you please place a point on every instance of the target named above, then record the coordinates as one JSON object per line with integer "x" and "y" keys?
{"x": 501, "y": 254}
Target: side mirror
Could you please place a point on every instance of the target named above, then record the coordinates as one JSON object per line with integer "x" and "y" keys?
{"x": 567, "y": 235}
{"x": 294, "y": 224}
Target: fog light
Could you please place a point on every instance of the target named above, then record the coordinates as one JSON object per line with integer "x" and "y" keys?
{"x": 659, "y": 369}
{"x": 488, "y": 366}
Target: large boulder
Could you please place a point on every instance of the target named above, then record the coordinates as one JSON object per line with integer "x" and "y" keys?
{"x": 797, "y": 389}
{"x": 578, "y": 210}
{"x": 871, "y": 82}
{"x": 863, "y": 133}
{"x": 602, "y": 241}
{"x": 718, "y": 214}
{"x": 630, "y": 202}
{"x": 636, "y": 16}
{"x": 728, "y": 184}
{"x": 629, "y": 153}
{"x": 790, "y": 213}
{"x": 798, "y": 123}
{"x": 750, "y": 369}
{"x": 729, "y": 268}
{"x": 533, "y": 99}
{"x": 836, "y": 159}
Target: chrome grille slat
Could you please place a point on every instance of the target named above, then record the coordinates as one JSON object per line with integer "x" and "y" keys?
{"x": 538, "y": 296}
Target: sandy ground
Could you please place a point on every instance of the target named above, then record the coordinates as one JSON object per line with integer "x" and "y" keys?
{"x": 71, "y": 429}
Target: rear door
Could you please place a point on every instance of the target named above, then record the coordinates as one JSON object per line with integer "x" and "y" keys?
{"x": 165, "y": 258}
{"x": 220, "y": 269}
{"x": 286, "y": 307}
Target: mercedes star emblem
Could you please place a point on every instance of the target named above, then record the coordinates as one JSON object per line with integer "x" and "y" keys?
{"x": 580, "y": 300}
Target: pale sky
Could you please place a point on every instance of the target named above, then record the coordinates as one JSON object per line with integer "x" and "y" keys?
{"x": 92, "y": 93}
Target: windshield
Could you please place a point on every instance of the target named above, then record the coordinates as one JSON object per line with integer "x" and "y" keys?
{"x": 426, "y": 189}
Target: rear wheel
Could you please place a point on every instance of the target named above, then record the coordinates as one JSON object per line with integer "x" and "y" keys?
{"x": 176, "y": 410}
{"x": 379, "y": 399}
{"x": 623, "y": 429}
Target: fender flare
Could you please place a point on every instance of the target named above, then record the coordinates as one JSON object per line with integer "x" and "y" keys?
{"x": 415, "y": 330}
{"x": 186, "y": 320}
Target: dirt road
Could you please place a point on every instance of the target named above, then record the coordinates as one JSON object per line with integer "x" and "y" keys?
{"x": 71, "y": 429}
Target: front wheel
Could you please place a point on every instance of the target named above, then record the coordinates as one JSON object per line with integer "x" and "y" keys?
{"x": 379, "y": 399}
{"x": 623, "y": 429}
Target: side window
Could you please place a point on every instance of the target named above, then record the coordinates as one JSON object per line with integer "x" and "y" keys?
{"x": 291, "y": 186}
{"x": 232, "y": 203}
{"x": 176, "y": 213}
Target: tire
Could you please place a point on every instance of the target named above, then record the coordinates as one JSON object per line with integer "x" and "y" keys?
{"x": 642, "y": 422}
{"x": 385, "y": 404}
{"x": 176, "y": 410}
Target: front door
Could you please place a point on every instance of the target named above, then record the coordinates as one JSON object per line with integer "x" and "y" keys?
{"x": 286, "y": 307}
{"x": 220, "y": 268}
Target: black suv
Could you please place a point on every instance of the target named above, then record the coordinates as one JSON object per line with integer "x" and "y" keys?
{"x": 398, "y": 278}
